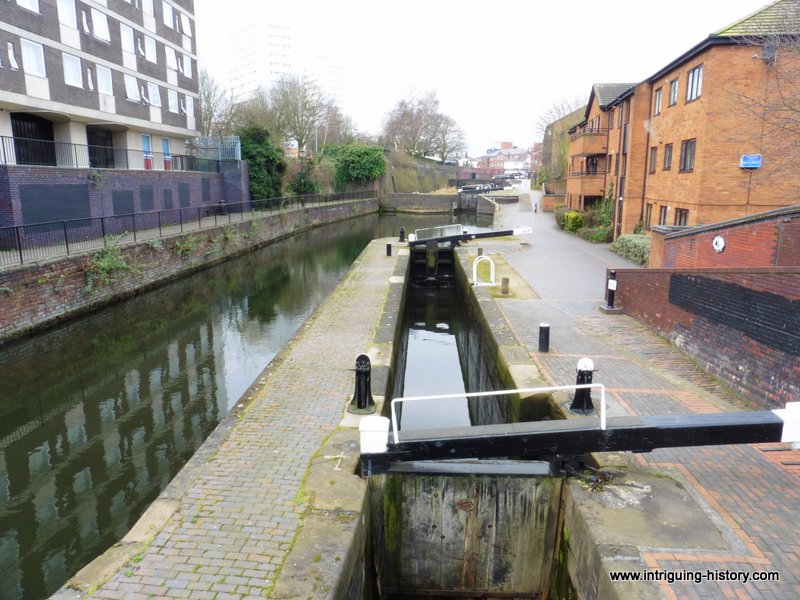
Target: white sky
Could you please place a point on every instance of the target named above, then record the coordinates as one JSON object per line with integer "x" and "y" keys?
{"x": 495, "y": 67}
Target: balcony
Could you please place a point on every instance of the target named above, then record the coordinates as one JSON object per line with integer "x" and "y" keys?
{"x": 587, "y": 141}
{"x": 586, "y": 183}
{"x": 44, "y": 153}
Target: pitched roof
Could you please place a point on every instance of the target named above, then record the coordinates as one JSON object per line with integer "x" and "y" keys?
{"x": 606, "y": 93}
{"x": 779, "y": 18}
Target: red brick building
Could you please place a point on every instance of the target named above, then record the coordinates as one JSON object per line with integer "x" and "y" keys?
{"x": 695, "y": 143}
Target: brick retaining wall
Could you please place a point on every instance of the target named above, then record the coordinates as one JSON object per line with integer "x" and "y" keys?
{"x": 35, "y": 297}
{"x": 742, "y": 325}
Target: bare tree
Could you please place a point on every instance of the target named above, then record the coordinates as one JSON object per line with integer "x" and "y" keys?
{"x": 257, "y": 111}
{"x": 298, "y": 107}
{"x": 215, "y": 107}
{"x": 411, "y": 126}
{"x": 449, "y": 138}
{"x": 335, "y": 127}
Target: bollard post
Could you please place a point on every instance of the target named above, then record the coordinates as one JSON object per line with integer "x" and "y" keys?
{"x": 582, "y": 402}
{"x": 362, "y": 402}
{"x": 612, "y": 287}
{"x": 504, "y": 286}
{"x": 480, "y": 251}
{"x": 544, "y": 337}
{"x": 388, "y": 249}
{"x": 402, "y": 234}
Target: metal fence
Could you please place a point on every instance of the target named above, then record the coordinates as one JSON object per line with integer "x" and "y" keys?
{"x": 44, "y": 153}
{"x": 41, "y": 241}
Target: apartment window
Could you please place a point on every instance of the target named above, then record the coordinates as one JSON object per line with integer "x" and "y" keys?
{"x": 694, "y": 83}
{"x": 72, "y": 70}
{"x": 89, "y": 80}
{"x": 104, "y": 81}
{"x": 12, "y": 57}
{"x": 29, "y": 4}
{"x": 67, "y": 14}
{"x": 653, "y": 158}
{"x": 132, "y": 88}
{"x": 166, "y": 12}
{"x": 648, "y": 216}
{"x": 187, "y": 66}
{"x": 100, "y": 26}
{"x": 667, "y": 157}
{"x": 662, "y": 215}
{"x": 126, "y": 38}
{"x": 657, "y": 102}
{"x": 682, "y": 216}
{"x": 153, "y": 94}
{"x": 687, "y": 155}
{"x": 189, "y": 106}
{"x": 172, "y": 98}
{"x": 186, "y": 25}
{"x": 147, "y": 7}
{"x": 150, "y": 49}
{"x": 673, "y": 92}
{"x": 32, "y": 57}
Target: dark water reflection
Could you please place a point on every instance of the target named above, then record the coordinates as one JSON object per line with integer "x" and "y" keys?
{"x": 97, "y": 416}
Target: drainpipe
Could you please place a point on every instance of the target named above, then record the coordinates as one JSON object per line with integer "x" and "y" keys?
{"x": 646, "y": 154}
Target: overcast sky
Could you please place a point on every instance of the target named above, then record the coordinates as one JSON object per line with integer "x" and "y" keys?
{"x": 496, "y": 67}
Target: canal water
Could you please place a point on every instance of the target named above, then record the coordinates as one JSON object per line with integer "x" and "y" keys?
{"x": 98, "y": 415}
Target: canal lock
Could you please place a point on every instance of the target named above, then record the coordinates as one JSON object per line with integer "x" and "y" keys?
{"x": 462, "y": 529}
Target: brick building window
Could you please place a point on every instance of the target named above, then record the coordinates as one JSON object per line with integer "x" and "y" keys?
{"x": 694, "y": 83}
{"x": 657, "y": 102}
{"x": 682, "y": 216}
{"x": 662, "y": 215}
{"x": 667, "y": 157}
{"x": 653, "y": 158}
{"x": 673, "y": 92}
{"x": 687, "y": 155}
{"x": 648, "y": 216}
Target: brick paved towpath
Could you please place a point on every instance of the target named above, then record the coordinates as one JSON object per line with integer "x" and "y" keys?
{"x": 751, "y": 493}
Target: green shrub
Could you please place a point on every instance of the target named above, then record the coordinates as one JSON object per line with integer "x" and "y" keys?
{"x": 598, "y": 234}
{"x": 559, "y": 212}
{"x": 635, "y": 247}
{"x": 573, "y": 221}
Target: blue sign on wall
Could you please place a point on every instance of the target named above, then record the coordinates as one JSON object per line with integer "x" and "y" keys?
{"x": 750, "y": 161}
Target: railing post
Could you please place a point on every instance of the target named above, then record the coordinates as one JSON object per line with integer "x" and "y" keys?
{"x": 133, "y": 223}
{"x": 19, "y": 246}
{"x": 66, "y": 238}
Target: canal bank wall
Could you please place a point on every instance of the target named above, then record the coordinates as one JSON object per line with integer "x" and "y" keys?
{"x": 35, "y": 297}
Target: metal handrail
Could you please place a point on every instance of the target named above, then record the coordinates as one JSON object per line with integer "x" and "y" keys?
{"x": 46, "y": 153}
{"x": 559, "y": 388}
{"x": 39, "y": 241}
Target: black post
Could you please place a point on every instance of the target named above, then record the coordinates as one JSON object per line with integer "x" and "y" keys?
{"x": 582, "y": 402}
{"x": 402, "y": 234}
{"x": 362, "y": 402}
{"x": 388, "y": 249}
{"x": 612, "y": 287}
{"x": 544, "y": 337}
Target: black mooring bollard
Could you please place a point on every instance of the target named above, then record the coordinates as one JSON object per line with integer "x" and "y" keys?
{"x": 544, "y": 337}
{"x": 362, "y": 402}
{"x": 612, "y": 287}
{"x": 388, "y": 249}
{"x": 582, "y": 402}
{"x": 402, "y": 234}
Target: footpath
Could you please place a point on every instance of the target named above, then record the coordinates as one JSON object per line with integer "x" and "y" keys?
{"x": 728, "y": 515}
